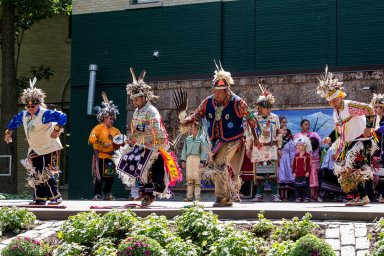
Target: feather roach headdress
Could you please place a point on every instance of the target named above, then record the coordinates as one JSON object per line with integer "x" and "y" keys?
{"x": 266, "y": 98}
{"x": 139, "y": 87}
{"x": 330, "y": 87}
{"x": 222, "y": 79}
{"x": 107, "y": 109}
{"x": 377, "y": 100}
{"x": 32, "y": 95}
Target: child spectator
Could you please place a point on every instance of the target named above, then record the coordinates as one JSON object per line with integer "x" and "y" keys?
{"x": 301, "y": 168}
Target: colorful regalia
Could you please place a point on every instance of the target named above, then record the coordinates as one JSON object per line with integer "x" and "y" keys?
{"x": 353, "y": 150}
{"x": 42, "y": 128}
{"x": 145, "y": 161}
{"x": 225, "y": 131}
{"x": 265, "y": 155}
{"x": 101, "y": 139}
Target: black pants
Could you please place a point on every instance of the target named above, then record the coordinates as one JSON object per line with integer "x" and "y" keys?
{"x": 369, "y": 190}
{"x": 48, "y": 190}
{"x": 380, "y": 186}
{"x": 361, "y": 190}
{"x": 156, "y": 178}
{"x": 107, "y": 174}
{"x": 302, "y": 188}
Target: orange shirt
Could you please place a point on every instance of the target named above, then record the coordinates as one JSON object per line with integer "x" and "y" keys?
{"x": 100, "y": 135}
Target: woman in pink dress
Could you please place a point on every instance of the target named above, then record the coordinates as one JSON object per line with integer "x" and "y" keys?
{"x": 315, "y": 155}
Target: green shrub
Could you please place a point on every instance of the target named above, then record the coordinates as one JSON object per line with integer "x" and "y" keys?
{"x": 24, "y": 246}
{"x": 237, "y": 243}
{"x": 83, "y": 228}
{"x": 155, "y": 227}
{"x": 14, "y": 219}
{"x": 117, "y": 223}
{"x": 71, "y": 249}
{"x": 379, "y": 246}
{"x": 5, "y": 196}
{"x": 201, "y": 227}
{"x": 281, "y": 248}
{"x": 378, "y": 227}
{"x": 310, "y": 245}
{"x": 264, "y": 228}
{"x": 178, "y": 247}
{"x": 104, "y": 247}
{"x": 138, "y": 245}
{"x": 295, "y": 229}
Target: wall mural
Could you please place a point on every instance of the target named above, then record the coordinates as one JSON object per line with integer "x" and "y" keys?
{"x": 321, "y": 119}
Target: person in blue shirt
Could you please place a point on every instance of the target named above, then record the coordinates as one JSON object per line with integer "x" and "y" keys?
{"x": 42, "y": 128}
{"x": 194, "y": 156}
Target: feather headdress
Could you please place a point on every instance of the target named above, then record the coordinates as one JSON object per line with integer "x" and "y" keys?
{"x": 32, "y": 95}
{"x": 139, "y": 87}
{"x": 266, "y": 98}
{"x": 329, "y": 87}
{"x": 107, "y": 109}
{"x": 377, "y": 100}
{"x": 305, "y": 141}
{"x": 222, "y": 79}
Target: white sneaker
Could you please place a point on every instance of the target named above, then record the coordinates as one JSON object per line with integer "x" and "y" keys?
{"x": 275, "y": 198}
{"x": 381, "y": 199}
{"x": 97, "y": 198}
{"x": 258, "y": 198}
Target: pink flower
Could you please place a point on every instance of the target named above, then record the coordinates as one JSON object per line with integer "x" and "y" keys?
{"x": 147, "y": 253}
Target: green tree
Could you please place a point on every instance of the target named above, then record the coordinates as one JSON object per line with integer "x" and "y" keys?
{"x": 17, "y": 17}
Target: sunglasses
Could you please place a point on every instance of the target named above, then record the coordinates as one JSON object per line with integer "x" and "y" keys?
{"x": 30, "y": 106}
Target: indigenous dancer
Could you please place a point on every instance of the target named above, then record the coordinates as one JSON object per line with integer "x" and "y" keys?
{"x": 103, "y": 169}
{"x": 354, "y": 146}
{"x": 194, "y": 157}
{"x": 266, "y": 154}
{"x": 378, "y": 105}
{"x": 315, "y": 156}
{"x": 224, "y": 112}
{"x": 144, "y": 161}
{"x": 42, "y": 128}
{"x": 301, "y": 168}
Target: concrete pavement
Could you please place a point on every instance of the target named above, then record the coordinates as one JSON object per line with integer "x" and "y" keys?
{"x": 325, "y": 211}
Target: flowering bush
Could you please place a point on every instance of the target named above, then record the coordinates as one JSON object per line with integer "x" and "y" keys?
{"x": 178, "y": 247}
{"x": 199, "y": 226}
{"x": 155, "y": 227}
{"x": 14, "y": 219}
{"x": 293, "y": 230}
{"x": 264, "y": 227}
{"x": 83, "y": 228}
{"x": 104, "y": 247}
{"x": 379, "y": 248}
{"x": 281, "y": 249}
{"x": 138, "y": 245}
{"x": 310, "y": 245}
{"x": 25, "y": 246}
{"x": 117, "y": 223}
{"x": 238, "y": 243}
{"x": 70, "y": 249}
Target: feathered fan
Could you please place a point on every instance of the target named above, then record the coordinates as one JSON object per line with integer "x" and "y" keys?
{"x": 180, "y": 98}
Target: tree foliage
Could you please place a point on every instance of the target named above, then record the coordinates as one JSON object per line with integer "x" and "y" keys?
{"x": 17, "y": 16}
